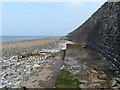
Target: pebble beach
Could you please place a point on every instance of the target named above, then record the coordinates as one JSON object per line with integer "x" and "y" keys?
{"x": 18, "y": 47}
{"x": 21, "y": 58}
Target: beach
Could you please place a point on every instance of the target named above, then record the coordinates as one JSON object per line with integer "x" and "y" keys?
{"x": 37, "y": 63}
{"x": 23, "y": 59}
{"x": 18, "y": 47}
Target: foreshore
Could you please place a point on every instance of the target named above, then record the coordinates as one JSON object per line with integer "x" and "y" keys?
{"x": 21, "y": 58}
{"x": 22, "y": 46}
{"x": 37, "y": 63}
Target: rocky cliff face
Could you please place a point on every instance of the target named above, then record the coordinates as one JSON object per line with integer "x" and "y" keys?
{"x": 102, "y": 32}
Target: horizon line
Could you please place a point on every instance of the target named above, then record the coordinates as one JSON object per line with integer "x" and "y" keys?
{"x": 58, "y": 0}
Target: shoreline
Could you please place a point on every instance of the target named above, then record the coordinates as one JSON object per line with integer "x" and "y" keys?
{"x": 18, "y": 47}
{"x": 22, "y": 58}
{"x": 13, "y": 39}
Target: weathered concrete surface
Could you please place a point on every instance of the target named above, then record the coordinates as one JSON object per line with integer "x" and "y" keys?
{"x": 46, "y": 76}
{"x": 88, "y": 66}
{"x": 102, "y": 32}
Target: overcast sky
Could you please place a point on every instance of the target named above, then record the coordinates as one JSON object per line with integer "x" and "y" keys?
{"x": 44, "y": 18}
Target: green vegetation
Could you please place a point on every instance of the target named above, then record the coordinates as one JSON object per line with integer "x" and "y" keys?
{"x": 64, "y": 80}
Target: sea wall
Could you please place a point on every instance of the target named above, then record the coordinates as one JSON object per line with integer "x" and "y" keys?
{"x": 102, "y": 32}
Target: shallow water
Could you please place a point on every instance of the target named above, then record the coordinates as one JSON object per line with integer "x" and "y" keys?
{"x": 7, "y": 39}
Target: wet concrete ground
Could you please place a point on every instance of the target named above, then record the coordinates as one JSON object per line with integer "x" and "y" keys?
{"x": 88, "y": 66}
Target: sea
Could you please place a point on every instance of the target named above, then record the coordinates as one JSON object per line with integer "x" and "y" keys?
{"x": 6, "y": 39}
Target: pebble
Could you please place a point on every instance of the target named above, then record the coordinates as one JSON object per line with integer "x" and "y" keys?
{"x": 118, "y": 80}
{"x": 112, "y": 83}
{"x": 4, "y": 76}
{"x": 40, "y": 62}
{"x": 63, "y": 67}
{"x": 15, "y": 74}
{"x": 83, "y": 86}
{"x": 17, "y": 83}
{"x": 28, "y": 66}
{"x": 94, "y": 71}
{"x": 18, "y": 78}
{"x": 35, "y": 66}
{"x": 102, "y": 77}
{"x": 5, "y": 82}
{"x": 5, "y": 66}
{"x": 118, "y": 85}
{"x": 112, "y": 68}
{"x": 18, "y": 64}
{"x": 3, "y": 72}
{"x": 28, "y": 72}
{"x": 10, "y": 83}
{"x": 118, "y": 76}
{"x": 14, "y": 58}
{"x": 2, "y": 86}
{"x": 117, "y": 72}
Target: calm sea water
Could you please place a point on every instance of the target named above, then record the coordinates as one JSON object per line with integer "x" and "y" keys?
{"x": 17, "y": 38}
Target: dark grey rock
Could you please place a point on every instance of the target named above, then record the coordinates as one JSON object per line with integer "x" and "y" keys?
{"x": 118, "y": 85}
{"x": 118, "y": 80}
{"x": 112, "y": 68}
{"x": 117, "y": 72}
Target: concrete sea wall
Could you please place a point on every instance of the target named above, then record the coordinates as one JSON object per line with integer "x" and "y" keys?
{"x": 102, "y": 32}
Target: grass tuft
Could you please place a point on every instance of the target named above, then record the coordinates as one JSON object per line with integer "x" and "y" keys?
{"x": 64, "y": 80}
